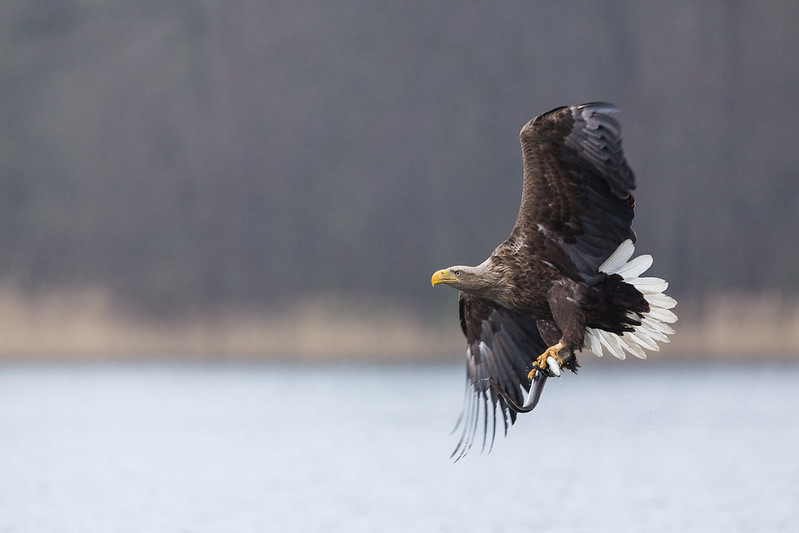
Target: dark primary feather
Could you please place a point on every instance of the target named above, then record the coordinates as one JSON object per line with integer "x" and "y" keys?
{"x": 577, "y": 186}
{"x": 500, "y": 344}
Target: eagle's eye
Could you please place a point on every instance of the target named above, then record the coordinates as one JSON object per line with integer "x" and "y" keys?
{"x": 457, "y": 273}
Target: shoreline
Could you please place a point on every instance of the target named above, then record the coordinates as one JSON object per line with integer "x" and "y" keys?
{"x": 86, "y": 326}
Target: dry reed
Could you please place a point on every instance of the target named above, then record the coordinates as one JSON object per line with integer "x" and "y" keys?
{"x": 86, "y": 325}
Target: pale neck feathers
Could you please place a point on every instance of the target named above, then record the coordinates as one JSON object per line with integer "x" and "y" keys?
{"x": 490, "y": 279}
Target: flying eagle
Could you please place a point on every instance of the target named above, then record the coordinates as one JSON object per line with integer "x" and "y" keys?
{"x": 563, "y": 281}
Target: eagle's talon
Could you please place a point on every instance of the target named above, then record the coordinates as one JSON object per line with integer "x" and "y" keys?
{"x": 541, "y": 364}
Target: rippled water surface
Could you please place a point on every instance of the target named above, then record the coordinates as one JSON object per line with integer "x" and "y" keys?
{"x": 243, "y": 448}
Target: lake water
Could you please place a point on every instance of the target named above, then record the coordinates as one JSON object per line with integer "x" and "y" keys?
{"x": 275, "y": 448}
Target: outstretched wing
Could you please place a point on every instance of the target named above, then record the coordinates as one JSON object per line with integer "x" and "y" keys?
{"x": 501, "y": 346}
{"x": 577, "y": 185}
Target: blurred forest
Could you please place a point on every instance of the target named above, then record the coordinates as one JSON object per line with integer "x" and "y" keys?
{"x": 191, "y": 156}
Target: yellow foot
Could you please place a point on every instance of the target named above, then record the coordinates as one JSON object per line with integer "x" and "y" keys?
{"x": 540, "y": 364}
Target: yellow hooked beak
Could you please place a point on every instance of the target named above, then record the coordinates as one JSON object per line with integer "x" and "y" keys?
{"x": 443, "y": 276}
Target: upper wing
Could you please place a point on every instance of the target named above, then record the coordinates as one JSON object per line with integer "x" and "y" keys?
{"x": 577, "y": 185}
{"x": 501, "y": 347}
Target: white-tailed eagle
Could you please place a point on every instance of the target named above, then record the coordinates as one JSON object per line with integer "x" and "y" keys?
{"x": 564, "y": 280}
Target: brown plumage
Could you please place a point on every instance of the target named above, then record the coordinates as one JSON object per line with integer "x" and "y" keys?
{"x": 563, "y": 280}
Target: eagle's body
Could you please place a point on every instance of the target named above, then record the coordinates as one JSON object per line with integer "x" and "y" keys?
{"x": 563, "y": 280}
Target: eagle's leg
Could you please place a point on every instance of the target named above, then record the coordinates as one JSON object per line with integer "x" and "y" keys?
{"x": 564, "y": 332}
{"x": 541, "y": 364}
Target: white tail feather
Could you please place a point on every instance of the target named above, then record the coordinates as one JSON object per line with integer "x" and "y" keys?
{"x": 649, "y": 285}
{"x": 613, "y": 343}
{"x": 652, "y": 332}
{"x": 661, "y": 300}
{"x": 654, "y": 326}
{"x": 643, "y": 339}
{"x": 635, "y": 268}
{"x": 664, "y": 315}
{"x": 632, "y": 347}
{"x": 618, "y": 258}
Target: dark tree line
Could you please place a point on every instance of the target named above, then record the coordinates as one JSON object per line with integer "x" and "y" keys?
{"x": 188, "y": 155}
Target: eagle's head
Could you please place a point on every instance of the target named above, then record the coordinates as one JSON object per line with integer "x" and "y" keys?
{"x": 488, "y": 279}
{"x": 464, "y": 278}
